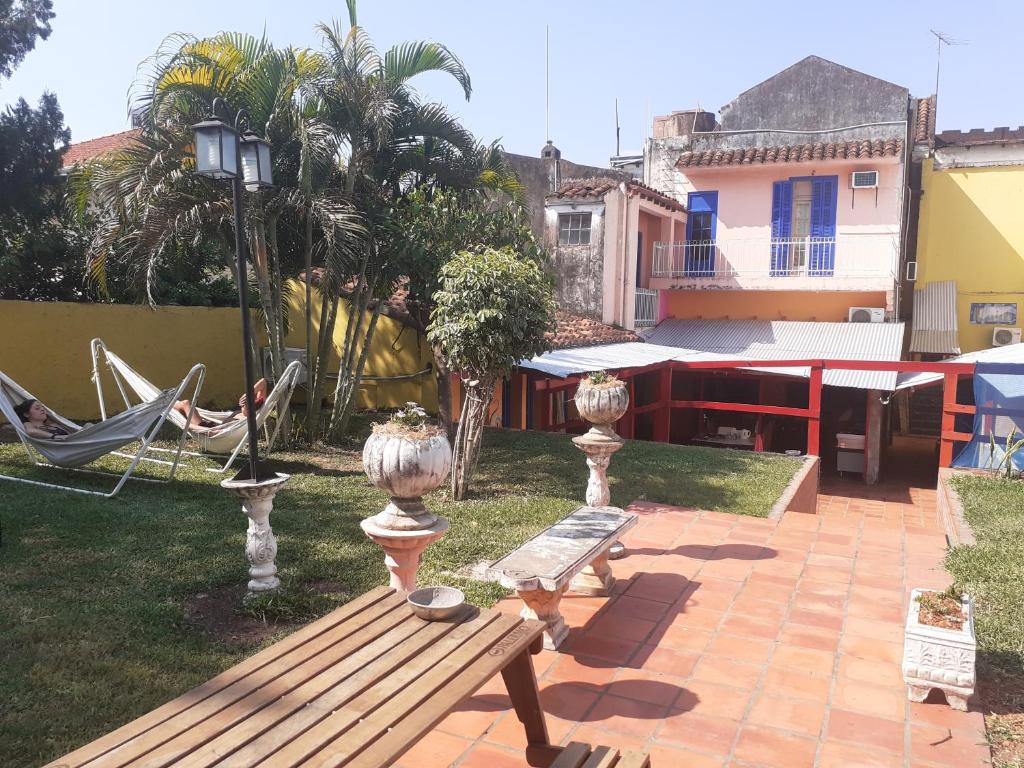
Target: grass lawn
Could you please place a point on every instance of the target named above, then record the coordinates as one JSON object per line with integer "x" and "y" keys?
{"x": 98, "y": 617}
{"x": 992, "y": 571}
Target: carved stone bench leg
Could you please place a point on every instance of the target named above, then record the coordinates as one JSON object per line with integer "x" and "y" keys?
{"x": 543, "y": 605}
{"x": 596, "y": 579}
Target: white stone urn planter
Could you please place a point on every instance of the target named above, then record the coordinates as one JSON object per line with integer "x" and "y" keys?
{"x": 935, "y": 657}
{"x": 602, "y": 404}
{"x": 406, "y": 465}
{"x": 406, "y": 462}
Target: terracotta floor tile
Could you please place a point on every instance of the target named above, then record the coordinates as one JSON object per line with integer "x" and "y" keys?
{"x": 714, "y": 700}
{"x": 660, "y": 587}
{"x": 750, "y": 650}
{"x": 829, "y": 620}
{"x": 435, "y": 750}
{"x": 509, "y": 732}
{"x": 705, "y": 734}
{"x": 804, "y": 660}
{"x": 870, "y": 699}
{"x": 667, "y": 661}
{"x": 633, "y": 718}
{"x": 636, "y": 684}
{"x": 872, "y": 649}
{"x": 878, "y": 630}
{"x": 637, "y": 607}
{"x": 726, "y": 671}
{"x": 858, "y": 728}
{"x": 470, "y": 723}
{"x": 758, "y": 608}
{"x": 942, "y": 747}
{"x": 867, "y": 671}
{"x": 816, "y": 638}
{"x": 487, "y": 756}
{"x": 582, "y": 669}
{"x": 777, "y": 749}
{"x": 748, "y": 627}
{"x": 591, "y": 733}
{"x": 797, "y": 685}
{"x": 619, "y": 627}
{"x": 837, "y": 754}
{"x": 681, "y": 637}
{"x": 797, "y": 715}
{"x": 586, "y": 644}
{"x": 568, "y": 701}
{"x": 941, "y": 715}
{"x": 668, "y": 756}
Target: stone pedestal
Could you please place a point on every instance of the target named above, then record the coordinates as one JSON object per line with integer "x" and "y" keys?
{"x": 403, "y": 549}
{"x": 260, "y": 544}
{"x": 596, "y": 580}
{"x": 599, "y": 445}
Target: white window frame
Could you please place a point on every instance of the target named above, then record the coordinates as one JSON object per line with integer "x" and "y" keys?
{"x": 579, "y": 229}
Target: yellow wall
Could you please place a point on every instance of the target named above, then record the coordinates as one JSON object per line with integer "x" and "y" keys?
{"x": 44, "y": 346}
{"x": 822, "y": 306}
{"x": 396, "y": 350}
{"x": 972, "y": 231}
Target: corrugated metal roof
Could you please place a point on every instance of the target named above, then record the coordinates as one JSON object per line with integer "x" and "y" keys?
{"x": 791, "y": 340}
{"x": 606, "y": 357}
{"x": 1013, "y": 353}
{"x": 934, "y": 327}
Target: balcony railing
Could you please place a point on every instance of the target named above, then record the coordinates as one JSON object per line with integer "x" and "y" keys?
{"x": 645, "y": 308}
{"x": 760, "y": 262}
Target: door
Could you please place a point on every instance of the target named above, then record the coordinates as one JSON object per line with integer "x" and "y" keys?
{"x": 700, "y": 246}
{"x": 824, "y": 190}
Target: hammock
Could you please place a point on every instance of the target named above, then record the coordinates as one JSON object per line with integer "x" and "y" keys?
{"x": 228, "y": 435}
{"x": 83, "y": 445}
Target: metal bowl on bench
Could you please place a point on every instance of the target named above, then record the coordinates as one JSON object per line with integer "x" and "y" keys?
{"x": 436, "y": 603}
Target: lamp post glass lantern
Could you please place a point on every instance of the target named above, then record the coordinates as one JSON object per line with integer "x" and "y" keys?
{"x": 221, "y": 155}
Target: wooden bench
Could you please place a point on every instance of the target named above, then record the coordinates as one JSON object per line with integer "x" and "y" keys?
{"x": 572, "y": 553}
{"x": 578, "y": 755}
{"x": 356, "y": 688}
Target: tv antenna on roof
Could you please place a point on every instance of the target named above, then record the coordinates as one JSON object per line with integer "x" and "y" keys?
{"x": 942, "y": 39}
{"x": 547, "y": 83}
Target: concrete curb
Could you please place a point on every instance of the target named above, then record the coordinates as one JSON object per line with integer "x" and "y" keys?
{"x": 801, "y": 495}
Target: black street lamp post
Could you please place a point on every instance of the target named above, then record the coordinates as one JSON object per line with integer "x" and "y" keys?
{"x": 222, "y": 154}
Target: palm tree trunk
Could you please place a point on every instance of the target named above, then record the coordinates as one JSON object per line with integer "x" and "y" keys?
{"x": 349, "y": 406}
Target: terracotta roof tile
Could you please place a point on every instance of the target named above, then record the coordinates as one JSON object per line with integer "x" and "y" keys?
{"x": 87, "y": 150}
{"x": 792, "y": 153}
{"x": 585, "y": 189}
{"x": 578, "y": 331}
{"x": 924, "y": 122}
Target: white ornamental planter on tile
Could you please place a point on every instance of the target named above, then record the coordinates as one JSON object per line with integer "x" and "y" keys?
{"x": 934, "y": 657}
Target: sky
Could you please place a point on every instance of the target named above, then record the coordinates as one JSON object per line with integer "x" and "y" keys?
{"x": 654, "y": 56}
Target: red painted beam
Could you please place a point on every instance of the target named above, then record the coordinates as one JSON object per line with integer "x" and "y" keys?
{"x": 948, "y": 419}
{"x": 714, "y": 405}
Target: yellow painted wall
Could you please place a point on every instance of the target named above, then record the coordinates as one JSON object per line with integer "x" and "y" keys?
{"x": 44, "y": 346}
{"x": 396, "y": 350}
{"x": 823, "y": 306}
{"x": 972, "y": 231}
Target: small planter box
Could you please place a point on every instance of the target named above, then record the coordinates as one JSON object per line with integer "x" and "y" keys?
{"x": 934, "y": 657}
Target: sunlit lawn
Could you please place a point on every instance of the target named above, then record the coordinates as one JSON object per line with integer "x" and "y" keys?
{"x": 93, "y": 592}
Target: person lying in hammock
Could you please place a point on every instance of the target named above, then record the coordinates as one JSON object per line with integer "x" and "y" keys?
{"x": 37, "y": 421}
{"x": 259, "y": 391}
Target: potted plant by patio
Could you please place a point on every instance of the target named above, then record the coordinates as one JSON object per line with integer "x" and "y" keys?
{"x": 407, "y": 457}
{"x": 939, "y": 646}
{"x": 602, "y": 399}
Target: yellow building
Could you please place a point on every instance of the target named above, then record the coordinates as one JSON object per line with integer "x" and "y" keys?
{"x": 970, "y": 255}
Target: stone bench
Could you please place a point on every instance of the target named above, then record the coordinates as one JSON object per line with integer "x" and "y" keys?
{"x": 572, "y": 553}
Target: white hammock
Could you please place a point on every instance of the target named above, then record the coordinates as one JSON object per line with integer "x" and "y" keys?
{"x": 229, "y": 434}
{"x": 83, "y": 445}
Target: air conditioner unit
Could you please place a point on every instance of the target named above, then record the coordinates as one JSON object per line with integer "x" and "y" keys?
{"x": 290, "y": 354}
{"x": 1003, "y": 337}
{"x": 867, "y": 315}
{"x": 864, "y": 180}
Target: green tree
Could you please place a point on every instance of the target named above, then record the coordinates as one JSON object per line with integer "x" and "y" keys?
{"x": 437, "y": 224}
{"x": 21, "y": 22}
{"x": 492, "y": 310}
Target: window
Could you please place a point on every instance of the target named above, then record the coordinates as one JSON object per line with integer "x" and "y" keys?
{"x": 993, "y": 314}
{"x": 804, "y": 226}
{"x": 574, "y": 229}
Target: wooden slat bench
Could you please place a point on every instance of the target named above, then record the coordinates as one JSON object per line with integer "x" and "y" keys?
{"x": 578, "y": 755}
{"x": 356, "y": 688}
{"x": 571, "y": 553}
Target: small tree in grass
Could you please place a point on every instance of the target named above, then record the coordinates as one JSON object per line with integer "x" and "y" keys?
{"x": 492, "y": 310}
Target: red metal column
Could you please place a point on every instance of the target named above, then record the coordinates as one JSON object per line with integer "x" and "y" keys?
{"x": 949, "y": 384}
{"x": 814, "y": 419}
{"x": 627, "y": 424}
{"x": 663, "y": 422}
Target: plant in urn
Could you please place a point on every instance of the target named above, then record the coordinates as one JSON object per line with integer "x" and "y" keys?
{"x": 406, "y": 457}
{"x": 602, "y": 400}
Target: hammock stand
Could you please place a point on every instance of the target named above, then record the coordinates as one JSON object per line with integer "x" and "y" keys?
{"x": 228, "y": 437}
{"x": 84, "y": 445}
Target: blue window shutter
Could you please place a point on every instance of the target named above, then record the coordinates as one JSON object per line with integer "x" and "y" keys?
{"x": 782, "y": 222}
{"x": 824, "y": 192}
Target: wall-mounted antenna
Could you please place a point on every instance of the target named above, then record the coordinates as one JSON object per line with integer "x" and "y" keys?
{"x": 941, "y": 39}
{"x": 617, "y": 129}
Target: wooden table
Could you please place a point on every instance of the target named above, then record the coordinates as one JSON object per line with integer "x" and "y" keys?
{"x": 356, "y": 688}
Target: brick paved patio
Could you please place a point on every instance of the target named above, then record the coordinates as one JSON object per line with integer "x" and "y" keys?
{"x": 736, "y": 641}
